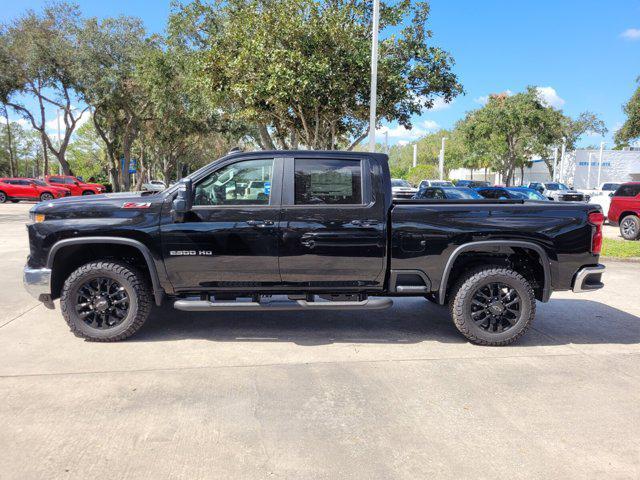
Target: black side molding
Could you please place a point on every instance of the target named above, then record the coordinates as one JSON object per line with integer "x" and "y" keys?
{"x": 544, "y": 258}
{"x": 158, "y": 292}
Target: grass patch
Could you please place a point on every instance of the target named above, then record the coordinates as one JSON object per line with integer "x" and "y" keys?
{"x": 620, "y": 248}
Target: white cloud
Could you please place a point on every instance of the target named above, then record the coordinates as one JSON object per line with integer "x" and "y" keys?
{"x": 549, "y": 96}
{"x": 402, "y": 143}
{"x": 404, "y": 135}
{"x": 440, "y": 104}
{"x": 430, "y": 125}
{"x": 631, "y": 34}
{"x": 400, "y": 132}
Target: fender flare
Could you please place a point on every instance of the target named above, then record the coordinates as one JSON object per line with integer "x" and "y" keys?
{"x": 544, "y": 258}
{"x": 158, "y": 292}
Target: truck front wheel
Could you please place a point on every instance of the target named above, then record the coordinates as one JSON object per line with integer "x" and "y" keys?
{"x": 492, "y": 306}
{"x": 105, "y": 301}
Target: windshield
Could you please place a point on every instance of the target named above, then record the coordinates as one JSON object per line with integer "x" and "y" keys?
{"x": 610, "y": 187}
{"x": 556, "y": 186}
{"x": 40, "y": 182}
{"x": 525, "y": 194}
{"x": 461, "y": 193}
{"x": 397, "y": 182}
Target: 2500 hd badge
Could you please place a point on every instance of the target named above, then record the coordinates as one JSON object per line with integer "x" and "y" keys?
{"x": 184, "y": 253}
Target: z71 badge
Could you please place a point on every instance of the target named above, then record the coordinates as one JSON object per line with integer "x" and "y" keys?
{"x": 195, "y": 253}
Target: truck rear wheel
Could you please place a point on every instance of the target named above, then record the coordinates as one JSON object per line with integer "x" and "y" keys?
{"x": 492, "y": 306}
{"x": 105, "y": 301}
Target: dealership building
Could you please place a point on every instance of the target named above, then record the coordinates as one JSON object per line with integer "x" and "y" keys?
{"x": 582, "y": 169}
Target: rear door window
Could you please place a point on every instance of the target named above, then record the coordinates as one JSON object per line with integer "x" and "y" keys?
{"x": 327, "y": 182}
{"x": 627, "y": 191}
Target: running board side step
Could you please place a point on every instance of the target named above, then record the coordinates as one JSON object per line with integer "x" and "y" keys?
{"x": 208, "y": 306}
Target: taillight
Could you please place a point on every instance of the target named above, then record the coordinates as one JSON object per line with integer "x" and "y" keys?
{"x": 596, "y": 219}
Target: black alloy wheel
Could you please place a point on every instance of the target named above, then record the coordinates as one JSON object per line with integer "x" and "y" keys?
{"x": 102, "y": 303}
{"x": 495, "y": 307}
{"x": 492, "y": 305}
{"x": 105, "y": 301}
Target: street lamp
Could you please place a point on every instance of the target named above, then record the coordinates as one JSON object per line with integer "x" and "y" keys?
{"x": 441, "y": 160}
{"x": 374, "y": 76}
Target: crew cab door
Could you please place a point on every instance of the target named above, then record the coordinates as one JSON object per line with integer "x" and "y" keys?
{"x": 230, "y": 238}
{"x": 333, "y": 227}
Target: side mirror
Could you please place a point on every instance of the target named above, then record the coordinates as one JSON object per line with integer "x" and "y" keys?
{"x": 183, "y": 201}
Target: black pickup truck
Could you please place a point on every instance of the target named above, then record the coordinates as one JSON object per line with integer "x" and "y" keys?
{"x": 305, "y": 230}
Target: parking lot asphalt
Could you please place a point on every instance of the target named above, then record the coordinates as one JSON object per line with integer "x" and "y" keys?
{"x": 389, "y": 394}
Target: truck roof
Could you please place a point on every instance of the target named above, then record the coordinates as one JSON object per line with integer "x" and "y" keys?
{"x": 307, "y": 153}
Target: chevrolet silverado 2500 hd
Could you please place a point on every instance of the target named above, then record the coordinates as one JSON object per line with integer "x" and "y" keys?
{"x": 323, "y": 233}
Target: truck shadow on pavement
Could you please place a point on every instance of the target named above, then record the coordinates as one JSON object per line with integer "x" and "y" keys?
{"x": 409, "y": 321}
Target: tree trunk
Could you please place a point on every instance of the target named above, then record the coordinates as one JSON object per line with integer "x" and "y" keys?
{"x": 265, "y": 137}
{"x": 521, "y": 175}
{"x": 471, "y": 169}
{"x": 485, "y": 174}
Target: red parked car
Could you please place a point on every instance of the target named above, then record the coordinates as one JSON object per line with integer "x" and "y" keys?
{"x": 16, "y": 189}
{"x": 76, "y": 186}
{"x": 625, "y": 210}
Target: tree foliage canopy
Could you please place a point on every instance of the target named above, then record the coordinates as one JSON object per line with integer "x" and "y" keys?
{"x": 300, "y": 69}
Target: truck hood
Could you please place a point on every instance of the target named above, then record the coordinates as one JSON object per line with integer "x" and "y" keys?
{"x": 93, "y": 205}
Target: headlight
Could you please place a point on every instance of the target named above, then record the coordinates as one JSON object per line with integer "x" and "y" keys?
{"x": 36, "y": 217}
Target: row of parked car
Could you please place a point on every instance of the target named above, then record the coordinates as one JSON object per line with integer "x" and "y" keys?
{"x": 49, "y": 188}
{"x": 620, "y": 202}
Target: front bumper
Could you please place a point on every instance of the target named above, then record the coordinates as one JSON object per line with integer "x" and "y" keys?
{"x": 37, "y": 281}
{"x": 588, "y": 279}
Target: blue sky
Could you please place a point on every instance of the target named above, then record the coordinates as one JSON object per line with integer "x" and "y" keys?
{"x": 577, "y": 50}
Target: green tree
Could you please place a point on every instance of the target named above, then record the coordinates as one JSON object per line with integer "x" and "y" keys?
{"x": 299, "y": 70}
{"x": 38, "y": 55}
{"x": 87, "y": 154}
{"x": 112, "y": 51}
{"x": 509, "y": 130}
{"x": 630, "y": 130}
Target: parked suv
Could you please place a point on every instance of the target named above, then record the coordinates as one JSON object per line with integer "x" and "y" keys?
{"x": 16, "y": 189}
{"x": 559, "y": 192}
{"x": 76, "y": 186}
{"x": 625, "y": 210}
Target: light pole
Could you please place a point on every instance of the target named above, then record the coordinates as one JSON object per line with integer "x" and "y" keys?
{"x": 59, "y": 139}
{"x": 415, "y": 154}
{"x": 441, "y": 159}
{"x": 564, "y": 148}
{"x": 555, "y": 164}
{"x": 374, "y": 76}
{"x": 600, "y": 162}
{"x": 386, "y": 142}
{"x": 589, "y": 172}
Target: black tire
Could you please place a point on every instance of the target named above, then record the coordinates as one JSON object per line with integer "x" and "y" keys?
{"x": 134, "y": 287}
{"x": 88, "y": 192}
{"x": 630, "y": 227}
{"x": 487, "y": 329}
{"x": 46, "y": 197}
{"x": 3, "y": 197}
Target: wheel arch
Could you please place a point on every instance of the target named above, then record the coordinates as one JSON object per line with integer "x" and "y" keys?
{"x": 59, "y": 248}
{"x": 500, "y": 247}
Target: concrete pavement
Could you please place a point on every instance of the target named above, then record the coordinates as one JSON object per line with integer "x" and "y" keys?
{"x": 391, "y": 394}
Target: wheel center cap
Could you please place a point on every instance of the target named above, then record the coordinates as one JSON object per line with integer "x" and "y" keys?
{"x": 496, "y": 308}
{"x": 100, "y": 304}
